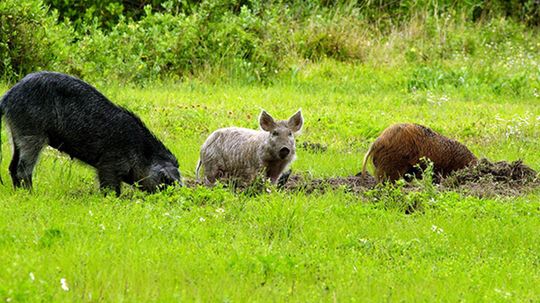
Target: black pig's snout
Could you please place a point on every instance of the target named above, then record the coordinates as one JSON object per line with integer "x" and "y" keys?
{"x": 170, "y": 176}
{"x": 284, "y": 152}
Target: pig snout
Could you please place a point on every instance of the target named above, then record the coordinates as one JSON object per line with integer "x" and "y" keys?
{"x": 170, "y": 175}
{"x": 284, "y": 152}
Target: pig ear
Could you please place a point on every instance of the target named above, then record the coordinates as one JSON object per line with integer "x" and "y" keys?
{"x": 266, "y": 121}
{"x": 296, "y": 121}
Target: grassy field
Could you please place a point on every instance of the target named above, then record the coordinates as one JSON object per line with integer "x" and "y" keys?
{"x": 215, "y": 245}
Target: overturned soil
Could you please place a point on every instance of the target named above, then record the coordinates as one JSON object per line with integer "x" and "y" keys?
{"x": 488, "y": 178}
{"x": 484, "y": 179}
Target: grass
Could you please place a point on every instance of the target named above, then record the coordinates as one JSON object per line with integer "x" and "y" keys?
{"x": 274, "y": 247}
{"x": 214, "y": 245}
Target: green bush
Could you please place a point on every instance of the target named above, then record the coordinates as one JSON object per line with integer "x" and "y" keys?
{"x": 107, "y": 13}
{"x": 30, "y": 38}
{"x": 175, "y": 46}
{"x": 254, "y": 40}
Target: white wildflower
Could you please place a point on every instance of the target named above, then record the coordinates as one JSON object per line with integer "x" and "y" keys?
{"x": 220, "y": 210}
{"x": 505, "y": 294}
{"x": 436, "y": 229}
{"x": 63, "y": 284}
{"x": 443, "y": 98}
{"x": 32, "y": 277}
{"x": 201, "y": 219}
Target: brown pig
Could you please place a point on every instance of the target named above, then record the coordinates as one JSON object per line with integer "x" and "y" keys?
{"x": 398, "y": 150}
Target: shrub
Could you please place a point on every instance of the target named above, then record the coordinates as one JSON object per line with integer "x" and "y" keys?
{"x": 30, "y": 39}
{"x": 253, "y": 40}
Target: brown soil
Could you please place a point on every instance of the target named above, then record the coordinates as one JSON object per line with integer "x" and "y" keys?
{"x": 485, "y": 179}
{"x": 191, "y": 183}
{"x": 494, "y": 179}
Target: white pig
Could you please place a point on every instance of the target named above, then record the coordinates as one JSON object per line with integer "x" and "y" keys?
{"x": 241, "y": 153}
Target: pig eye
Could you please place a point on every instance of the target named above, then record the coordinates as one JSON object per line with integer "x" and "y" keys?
{"x": 275, "y": 133}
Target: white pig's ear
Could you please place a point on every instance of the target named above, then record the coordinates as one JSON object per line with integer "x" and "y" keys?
{"x": 296, "y": 121}
{"x": 266, "y": 121}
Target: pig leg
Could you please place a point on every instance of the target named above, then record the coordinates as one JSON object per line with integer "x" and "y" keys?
{"x": 274, "y": 170}
{"x": 26, "y": 151}
{"x": 283, "y": 179}
{"x": 396, "y": 174}
{"x": 108, "y": 180}
{"x": 387, "y": 173}
{"x": 13, "y": 166}
{"x": 391, "y": 173}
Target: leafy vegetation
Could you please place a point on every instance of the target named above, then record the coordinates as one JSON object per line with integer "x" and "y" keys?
{"x": 250, "y": 41}
{"x": 468, "y": 70}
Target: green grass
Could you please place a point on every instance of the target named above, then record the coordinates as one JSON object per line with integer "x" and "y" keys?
{"x": 214, "y": 245}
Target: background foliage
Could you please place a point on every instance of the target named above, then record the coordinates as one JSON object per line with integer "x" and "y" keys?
{"x": 255, "y": 41}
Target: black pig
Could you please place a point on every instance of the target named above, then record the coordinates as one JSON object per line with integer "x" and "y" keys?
{"x": 48, "y": 108}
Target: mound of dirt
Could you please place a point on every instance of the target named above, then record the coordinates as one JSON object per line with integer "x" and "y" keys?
{"x": 488, "y": 178}
{"x": 502, "y": 171}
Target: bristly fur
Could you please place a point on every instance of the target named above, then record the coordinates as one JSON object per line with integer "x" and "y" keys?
{"x": 399, "y": 148}
{"x": 241, "y": 154}
{"x": 48, "y": 108}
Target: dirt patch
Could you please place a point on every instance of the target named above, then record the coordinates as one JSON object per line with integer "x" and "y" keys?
{"x": 502, "y": 171}
{"x": 191, "y": 183}
{"x": 488, "y": 178}
{"x": 485, "y": 179}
